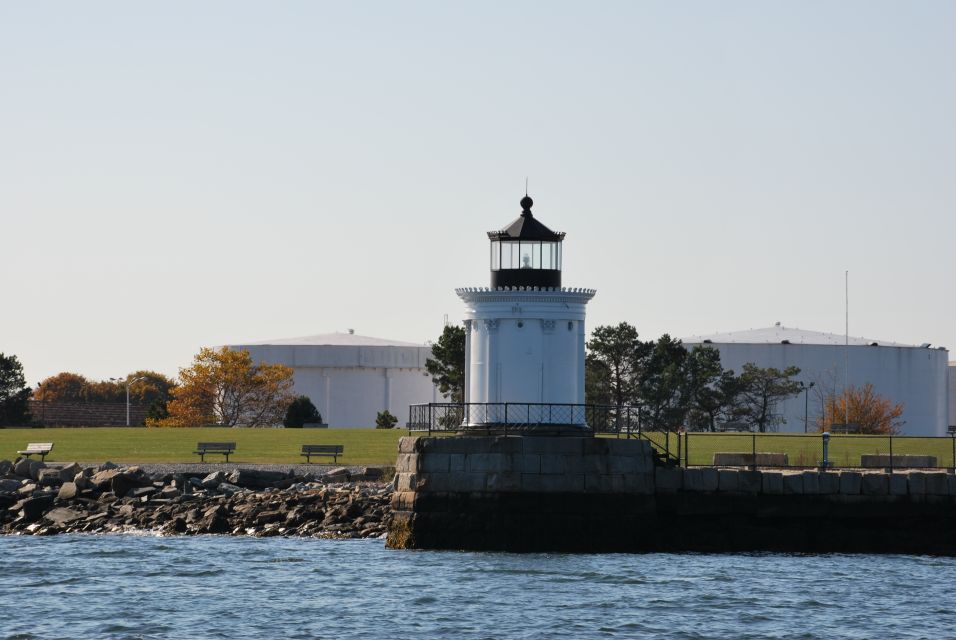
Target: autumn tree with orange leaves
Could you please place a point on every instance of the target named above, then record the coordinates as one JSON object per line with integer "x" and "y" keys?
{"x": 225, "y": 387}
{"x": 868, "y": 409}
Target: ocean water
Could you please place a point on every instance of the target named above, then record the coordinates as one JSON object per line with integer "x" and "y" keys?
{"x": 138, "y": 586}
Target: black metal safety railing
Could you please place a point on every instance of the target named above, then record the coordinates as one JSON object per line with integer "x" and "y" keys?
{"x": 817, "y": 450}
{"x": 504, "y": 417}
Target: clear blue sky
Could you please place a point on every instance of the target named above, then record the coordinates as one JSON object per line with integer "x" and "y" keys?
{"x": 181, "y": 174}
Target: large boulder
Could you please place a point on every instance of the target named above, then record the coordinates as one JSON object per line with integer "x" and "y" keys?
{"x": 258, "y": 479}
{"x": 31, "y": 509}
{"x": 9, "y": 485}
{"x": 101, "y": 480}
{"x": 6, "y": 467}
{"x": 68, "y": 472}
{"x": 63, "y": 515}
{"x": 128, "y": 479}
{"x": 49, "y": 477}
{"x": 107, "y": 466}
{"x": 24, "y": 467}
{"x": 213, "y": 480}
{"x": 68, "y": 491}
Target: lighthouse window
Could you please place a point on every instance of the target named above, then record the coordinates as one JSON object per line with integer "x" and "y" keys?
{"x": 570, "y": 325}
{"x": 495, "y": 256}
{"x": 520, "y": 324}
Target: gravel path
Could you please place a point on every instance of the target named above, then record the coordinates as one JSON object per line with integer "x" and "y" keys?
{"x": 209, "y": 467}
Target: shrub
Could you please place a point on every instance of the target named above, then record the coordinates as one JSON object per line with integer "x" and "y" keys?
{"x": 385, "y": 420}
{"x": 300, "y": 411}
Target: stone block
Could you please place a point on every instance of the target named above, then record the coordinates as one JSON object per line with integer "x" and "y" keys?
{"x": 638, "y": 483}
{"x": 772, "y": 482}
{"x": 406, "y": 482}
{"x": 668, "y": 479}
{"x": 466, "y": 482}
{"x": 594, "y": 463}
{"x": 503, "y": 481}
{"x": 636, "y": 447}
{"x": 829, "y": 483}
{"x": 916, "y": 483}
{"x": 851, "y": 483}
{"x": 484, "y": 462}
{"x": 900, "y": 461}
{"x": 406, "y": 462}
{"x": 937, "y": 484}
{"x": 556, "y": 445}
{"x": 507, "y": 444}
{"x": 552, "y": 482}
{"x": 951, "y": 480}
{"x": 553, "y": 463}
{"x": 709, "y": 479}
{"x": 898, "y": 485}
{"x": 793, "y": 483}
{"x": 744, "y": 459}
{"x": 693, "y": 481}
{"x": 408, "y": 444}
{"x": 434, "y": 462}
{"x": 811, "y": 483}
{"x": 457, "y": 444}
{"x": 876, "y": 484}
{"x": 403, "y": 500}
{"x": 626, "y": 464}
{"x": 596, "y": 446}
{"x": 457, "y": 462}
{"x": 750, "y": 481}
{"x": 728, "y": 480}
{"x": 526, "y": 463}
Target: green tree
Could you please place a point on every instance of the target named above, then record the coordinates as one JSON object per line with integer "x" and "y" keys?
{"x": 716, "y": 403}
{"x": 385, "y": 420}
{"x": 14, "y": 393}
{"x": 615, "y": 360}
{"x": 664, "y": 384}
{"x": 702, "y": 374}
{"x": 761, "y": 391}
{"x": 447, "y": 368}
{"x": 300, "y": 411}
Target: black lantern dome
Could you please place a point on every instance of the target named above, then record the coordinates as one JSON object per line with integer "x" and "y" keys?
{"x": 526, "y": 253}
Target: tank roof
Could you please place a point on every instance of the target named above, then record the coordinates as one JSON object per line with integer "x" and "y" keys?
{"x": 337, "y": 339}
{"x": 778, "y": 333}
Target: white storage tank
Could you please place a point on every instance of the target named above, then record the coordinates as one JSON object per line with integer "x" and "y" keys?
{"x": 350, "y": 378}
{"x": 914, "y": 375}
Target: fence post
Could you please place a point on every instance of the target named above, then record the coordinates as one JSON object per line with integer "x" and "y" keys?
{"x": 891, "y": 453}
{"x": 429, "y": 418}
{"x": 753, "y": 450}
{"x": 667, "y": 443}
{"x": 686, "y": 449}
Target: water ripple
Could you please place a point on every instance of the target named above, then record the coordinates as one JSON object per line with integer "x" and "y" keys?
{"x": 135, "y": 586}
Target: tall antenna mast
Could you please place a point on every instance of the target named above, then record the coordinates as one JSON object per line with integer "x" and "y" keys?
{"x": 846, "y": 350}
{"x": 526, "y": 186}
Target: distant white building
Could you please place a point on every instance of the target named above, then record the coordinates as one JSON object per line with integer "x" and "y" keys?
{"x": 351, "y": 378}
{"x": 952, "y": 394}
{"x": 915, "y": 376}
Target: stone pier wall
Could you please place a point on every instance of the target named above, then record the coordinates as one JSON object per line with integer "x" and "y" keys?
{"x": 596, "y": 494}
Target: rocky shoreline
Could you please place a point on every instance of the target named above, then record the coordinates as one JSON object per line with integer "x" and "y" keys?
{"x": 40, "y": 499}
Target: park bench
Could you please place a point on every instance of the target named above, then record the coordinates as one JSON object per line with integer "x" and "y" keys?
{"x": 224, "y": 448}
{"x": 951, "y": 430}
{"x": 334, "y": 450}
{"x": 40, "y": 448}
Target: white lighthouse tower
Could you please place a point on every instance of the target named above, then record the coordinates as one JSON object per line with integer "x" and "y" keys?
{"x": 525, "y": 334}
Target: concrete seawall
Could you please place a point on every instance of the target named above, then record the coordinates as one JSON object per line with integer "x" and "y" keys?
{"x": 596, "y": 494}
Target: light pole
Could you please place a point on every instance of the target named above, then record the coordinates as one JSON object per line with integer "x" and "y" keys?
{"x": 806, "y": 404}
{"x": 128, "y": 383}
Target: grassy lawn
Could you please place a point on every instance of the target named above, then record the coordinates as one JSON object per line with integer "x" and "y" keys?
{"x": 138, "y": 444}
{"x": 371, "y": 446}
{"x": 807, "y": 450}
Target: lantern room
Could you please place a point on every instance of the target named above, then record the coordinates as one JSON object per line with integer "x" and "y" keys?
{"x": 526, "y": 253}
